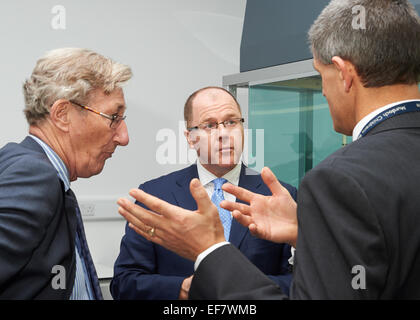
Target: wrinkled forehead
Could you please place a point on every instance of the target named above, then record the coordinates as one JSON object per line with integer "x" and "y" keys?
{"x": 108, "y": 102}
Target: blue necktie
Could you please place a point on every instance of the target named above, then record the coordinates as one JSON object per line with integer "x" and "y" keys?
{"x": 84, "y": 251}
{"x": 216, "y": 198}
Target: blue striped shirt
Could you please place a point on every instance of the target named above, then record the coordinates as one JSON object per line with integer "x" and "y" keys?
{"x": 81, "y": 289}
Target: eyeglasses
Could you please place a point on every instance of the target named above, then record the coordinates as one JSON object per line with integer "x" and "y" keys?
{"x": 115, "y": 119}
{"x": 209, "y": 126}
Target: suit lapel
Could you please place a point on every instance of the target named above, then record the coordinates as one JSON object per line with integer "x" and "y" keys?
{"x": 182, "y": 194}
{"x": 70, "y": 209}
{"x": 252, "y": 183}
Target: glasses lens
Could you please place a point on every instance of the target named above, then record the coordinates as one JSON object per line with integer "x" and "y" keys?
{"x": 230, "y": 123}
{"x": 116, "y": 122}
{"x": 210, "y": 126}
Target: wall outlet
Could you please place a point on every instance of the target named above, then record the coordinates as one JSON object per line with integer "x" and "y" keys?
{"x": 87, "y": 209}
{"x": 99, "y": 208}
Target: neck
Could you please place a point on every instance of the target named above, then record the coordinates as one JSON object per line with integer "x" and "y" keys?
{"x": 217, "y": 170}
{"x": 46, "y": 133}
{"x": 371, "y": 99}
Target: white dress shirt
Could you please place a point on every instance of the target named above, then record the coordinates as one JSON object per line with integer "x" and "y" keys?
{"x": 362, "y": 123}
{"x": 206, "y": 178}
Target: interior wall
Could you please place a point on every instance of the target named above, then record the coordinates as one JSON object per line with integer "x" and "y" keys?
{"x": 173, "y": 48}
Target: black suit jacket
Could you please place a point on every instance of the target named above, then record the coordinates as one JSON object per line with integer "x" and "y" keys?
{"x": 359, "y": 217}
{"x": 37, "y": 225}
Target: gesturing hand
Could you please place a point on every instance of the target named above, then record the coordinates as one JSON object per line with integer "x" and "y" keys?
{"x": 185, "y": 232}
{"x": 272, "y": 217}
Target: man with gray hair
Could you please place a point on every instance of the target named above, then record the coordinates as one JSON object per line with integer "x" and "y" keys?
{"x": 358, "y": 210}
{"x": 75, "y": 109}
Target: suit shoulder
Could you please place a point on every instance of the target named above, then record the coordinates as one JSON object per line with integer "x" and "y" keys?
{"x": 169, "y": 179}
{"x": 29, "y": 176}
{"x": 28, "y": 168}
{"x": 358, "y": 157}
{"x": 15, "y": 153}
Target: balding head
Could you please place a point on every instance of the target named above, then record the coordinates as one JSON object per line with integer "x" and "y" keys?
{"x": 210, "y": 93}
{"x": 219, "y": 148}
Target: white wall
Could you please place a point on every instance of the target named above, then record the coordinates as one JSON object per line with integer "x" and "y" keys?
{"x": 173, "y": 46}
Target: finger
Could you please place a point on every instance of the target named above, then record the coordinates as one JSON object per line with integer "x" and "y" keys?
{"x": 253, "y": 228}
{"x": 271, "y": 181}
{"x": 238, "y": 192}
{"x": 201, "y": 196}
{"x": 137, "y": 214}
{"x": 153, "y": 203}
{"x": 131, "y": 218}
{"x": 242, "y": 219}
{"x": 156, "y": 239}
{"x": 231, "y": 206}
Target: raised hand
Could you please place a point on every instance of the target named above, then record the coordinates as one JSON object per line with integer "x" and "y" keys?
{"x": 272, "y": 217}
{"x": 185, "y": 232}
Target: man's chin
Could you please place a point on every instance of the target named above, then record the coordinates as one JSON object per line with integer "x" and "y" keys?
{"x": 93, "y": 172}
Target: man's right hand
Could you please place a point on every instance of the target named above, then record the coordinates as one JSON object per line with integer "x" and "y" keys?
{"x": 272, "y": 217}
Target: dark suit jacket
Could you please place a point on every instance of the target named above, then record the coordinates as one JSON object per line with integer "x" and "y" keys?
{"x": 37, "y": 230}
{"x": 359, "y": 210}
{"x": 144, "y": 270}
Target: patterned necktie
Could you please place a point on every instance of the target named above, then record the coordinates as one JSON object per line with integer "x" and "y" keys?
{"x": 84, "y": 251}
{"x": 216, "y": 198}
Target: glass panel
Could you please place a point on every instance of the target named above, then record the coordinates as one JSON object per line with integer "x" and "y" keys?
{"x": 298, "y": 130}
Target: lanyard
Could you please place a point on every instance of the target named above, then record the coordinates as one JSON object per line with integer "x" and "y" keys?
{"x": 412, "y": 106}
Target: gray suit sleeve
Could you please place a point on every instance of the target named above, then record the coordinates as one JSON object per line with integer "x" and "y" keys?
{"x": 29, "y": 193}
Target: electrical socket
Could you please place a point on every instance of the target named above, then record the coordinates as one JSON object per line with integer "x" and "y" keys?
{"x": 87, "y": 209}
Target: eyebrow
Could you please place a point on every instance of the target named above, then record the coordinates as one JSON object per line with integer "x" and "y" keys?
{"x": 121, "y": 108}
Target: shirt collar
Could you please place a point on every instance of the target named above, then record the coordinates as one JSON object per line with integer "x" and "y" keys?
{"x": 362, "y": 123}
{"x": 232, "y": 176}
{"x": 56, "y": 161}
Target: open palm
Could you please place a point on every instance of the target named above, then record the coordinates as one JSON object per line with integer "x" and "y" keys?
{"x": 272, "y": 217}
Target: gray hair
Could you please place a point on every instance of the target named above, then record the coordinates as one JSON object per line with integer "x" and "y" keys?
{"x": 386, "y": 52}
{"x": 69, "y": 73}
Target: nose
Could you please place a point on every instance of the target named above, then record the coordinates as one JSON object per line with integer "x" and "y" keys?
{"x": 222, "y": 129}
{"x": 121, "y": 134}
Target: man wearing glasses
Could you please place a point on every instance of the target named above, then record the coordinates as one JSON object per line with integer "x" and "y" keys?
{"x": 75, "y": 108}
{"x": 214, "y": 122}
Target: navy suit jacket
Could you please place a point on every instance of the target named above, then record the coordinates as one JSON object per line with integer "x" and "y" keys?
{"x": 144, "y": 270}
{"x": 37, "y": 225}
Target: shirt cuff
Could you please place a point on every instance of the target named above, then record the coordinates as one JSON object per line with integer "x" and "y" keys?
{"x": 292, "y": 258}
{"x": 206, "y": 252}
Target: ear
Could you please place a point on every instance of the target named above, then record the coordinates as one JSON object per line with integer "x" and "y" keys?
{"x": 346, "y": 71}
{"x": 188, "y": 136}
{"x": 60, "y": 114}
